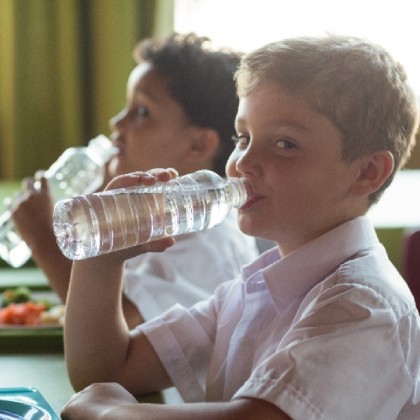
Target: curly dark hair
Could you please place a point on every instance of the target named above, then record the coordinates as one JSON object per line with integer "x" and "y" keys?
{"x": 200, "y": 78}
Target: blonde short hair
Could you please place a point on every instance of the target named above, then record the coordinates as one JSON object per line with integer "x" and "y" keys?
{"x": 355, "y": 83}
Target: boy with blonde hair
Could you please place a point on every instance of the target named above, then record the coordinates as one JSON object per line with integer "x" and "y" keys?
{"x": 321, "y": 326}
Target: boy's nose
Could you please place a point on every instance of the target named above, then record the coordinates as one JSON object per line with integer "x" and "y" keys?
{"x": 250, "y": 161}
{"x": 117, "y": 120}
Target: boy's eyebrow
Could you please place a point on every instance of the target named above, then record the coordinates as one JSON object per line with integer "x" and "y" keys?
{"x": 277, "y": 123}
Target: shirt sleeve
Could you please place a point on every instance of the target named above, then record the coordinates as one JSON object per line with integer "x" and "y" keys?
{"x": 184, "y": 342}
{"x": 153, "y": 284}
{"x": 189, "y": 271}
{"x": 316, "y": 372}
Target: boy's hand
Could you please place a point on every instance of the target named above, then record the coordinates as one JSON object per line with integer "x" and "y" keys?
{"x": 139, "y": 178}
{"x": 32, "y": 214}
{"x": 98, "y": 402}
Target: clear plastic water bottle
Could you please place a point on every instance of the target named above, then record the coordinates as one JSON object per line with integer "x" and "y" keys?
{"x": 100, "y": 223}
{"x": 79, "y": 170}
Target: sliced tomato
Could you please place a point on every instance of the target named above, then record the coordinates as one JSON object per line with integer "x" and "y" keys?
{"x": 28, "y": 313}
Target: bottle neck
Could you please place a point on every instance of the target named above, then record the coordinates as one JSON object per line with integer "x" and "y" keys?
{"x": 101, "y": 148}
{"x": 237, "y": 192}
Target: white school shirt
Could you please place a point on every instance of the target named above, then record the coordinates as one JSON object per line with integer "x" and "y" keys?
{"x": 329, "y": 332}
{"x": 190, "y": 270}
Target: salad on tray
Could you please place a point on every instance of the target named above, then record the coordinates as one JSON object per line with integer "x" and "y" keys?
{"x": 21, "y": 306}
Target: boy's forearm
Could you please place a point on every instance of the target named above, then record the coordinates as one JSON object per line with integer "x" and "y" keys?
{"x": 89, "y": 405}
{"x": 54, "y": 264}
{"x": 96, "y": 336}
{"x": 97, "y": 341}
{"x": 244, "y": 409}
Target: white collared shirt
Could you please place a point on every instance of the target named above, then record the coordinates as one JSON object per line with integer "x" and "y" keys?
{"x": 190, "y": 270}
{"x": 329, "y": 332}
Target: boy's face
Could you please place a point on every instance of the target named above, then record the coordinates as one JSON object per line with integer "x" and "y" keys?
{"x": 292, "y": 157}
{"x": 152, "y": 131}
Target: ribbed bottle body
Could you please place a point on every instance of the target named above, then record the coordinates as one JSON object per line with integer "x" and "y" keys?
{"x": 75, "y": 173}
{"x": 96, "y": 224}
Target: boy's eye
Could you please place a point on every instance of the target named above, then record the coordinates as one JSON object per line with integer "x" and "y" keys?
{"x": 135, "y": 112}
{"x": 240, "y": 141}
{"x": 285, "y": 144}
{"x": 141, "y": 111}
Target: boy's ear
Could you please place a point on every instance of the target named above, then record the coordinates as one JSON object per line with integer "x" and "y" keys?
{"x": 204, "y": 145}
{"x": 373, "y": 172}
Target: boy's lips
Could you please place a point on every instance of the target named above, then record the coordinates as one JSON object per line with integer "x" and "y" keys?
{"x": 251, "y": 201}
{"x": 118, "y": 143}
{"x": 118, "y": 146}
{"x": 253, "y": 197}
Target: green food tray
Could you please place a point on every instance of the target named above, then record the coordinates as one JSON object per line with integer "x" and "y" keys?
{"x": 31, "y": 340}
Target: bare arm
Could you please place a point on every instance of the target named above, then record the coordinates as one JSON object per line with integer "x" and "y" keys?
{"x": 98, "y": 344}
{"x": 33, "y": 219}
{"x": 110, "y": 401}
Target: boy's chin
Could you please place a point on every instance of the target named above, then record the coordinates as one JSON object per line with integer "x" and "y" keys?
{"x": 246, "y": 226}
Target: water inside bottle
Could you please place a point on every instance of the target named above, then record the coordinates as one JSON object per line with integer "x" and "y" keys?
{"x": 198, "y": 210}
{"x": 97, "y": 224}
{"x": 79, "y": 170}
{"x": 67, "y": 179}
{"x": 94, "y": 225}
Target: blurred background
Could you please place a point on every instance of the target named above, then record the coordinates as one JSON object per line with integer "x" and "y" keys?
{"x": 63, "y": 70}
{"x": 64, "y": 63}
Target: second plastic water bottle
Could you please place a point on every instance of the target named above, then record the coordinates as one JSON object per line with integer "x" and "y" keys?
{"x": 100, "y": 223}
{"x": 79, "y": 170}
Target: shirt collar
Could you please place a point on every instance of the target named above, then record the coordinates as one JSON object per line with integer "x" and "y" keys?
{"x": 290, "y": 277}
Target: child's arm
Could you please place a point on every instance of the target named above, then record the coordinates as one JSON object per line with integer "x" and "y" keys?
{"x": 98, "y": 344}
{"x": 111, "y": 401}
{"x": 32, "y": 217}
